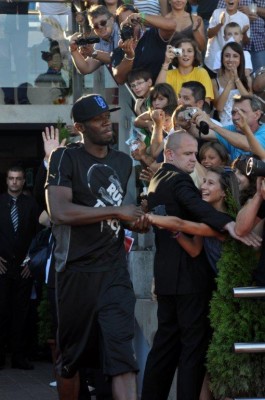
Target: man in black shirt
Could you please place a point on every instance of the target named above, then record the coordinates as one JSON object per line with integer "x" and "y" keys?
{"x": 85, "y": 188}
{"x": 18, "y": 223}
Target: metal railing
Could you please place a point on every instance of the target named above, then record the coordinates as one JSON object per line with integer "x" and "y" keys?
{"x": 249, "y": 291}
{"x": 243, "y": 292}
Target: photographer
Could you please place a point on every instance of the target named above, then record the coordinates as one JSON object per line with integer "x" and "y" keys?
{"x": 89, "y": 57}
{"x": 143, "y": 48}
{"x": 184, "y": 55}
{"x": 233, "y": 136}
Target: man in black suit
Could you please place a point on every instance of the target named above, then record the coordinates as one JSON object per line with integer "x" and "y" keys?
{"x": 182, "y": 283}
{"x": 18, "y": 223}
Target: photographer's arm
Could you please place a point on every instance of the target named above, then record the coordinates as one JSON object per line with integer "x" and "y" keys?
{"x": 166, "y": 25}
{"x": 84, "y": 66}
{"x": 169, "y": 55}
{"x": 121, "y": 71}
{"x": 234, "y": 138}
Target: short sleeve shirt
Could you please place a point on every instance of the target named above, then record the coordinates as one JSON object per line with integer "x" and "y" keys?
{"x": 235, "y": 152}
{"x": 94, "y": 183}
{"x": 199, "y": 74}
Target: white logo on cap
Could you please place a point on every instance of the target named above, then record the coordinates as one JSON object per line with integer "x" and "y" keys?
{"x": 100, "y": 101}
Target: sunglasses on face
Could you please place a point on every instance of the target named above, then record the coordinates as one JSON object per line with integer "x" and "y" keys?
{"x": 100, "y": 24}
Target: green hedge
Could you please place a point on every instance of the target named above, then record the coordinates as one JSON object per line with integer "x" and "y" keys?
{"x": 236, "y": 320}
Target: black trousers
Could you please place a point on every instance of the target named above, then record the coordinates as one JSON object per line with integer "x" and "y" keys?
{"x": 180, "y": 341}
{"x": 14, "y": 310}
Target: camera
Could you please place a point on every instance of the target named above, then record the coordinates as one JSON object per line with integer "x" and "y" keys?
{"x": 89, "y": 40}
{"x": 177, "y": 51}
{"x": 127, "y": 32}
{"x": 188, "y": 113}
{"x": 255, "y": 167}
{"x": 203, "y": 126}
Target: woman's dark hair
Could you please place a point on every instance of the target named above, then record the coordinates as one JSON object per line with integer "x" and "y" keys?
{"x": 241, "y": 68}
{"x": 197, "y": 54}
{"x": 165, "y": 90}
{"x": 228, "y": 182}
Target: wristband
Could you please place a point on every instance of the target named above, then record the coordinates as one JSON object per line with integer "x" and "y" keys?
{"x": 129, "y": 58}
{"x": 142, "y": 15}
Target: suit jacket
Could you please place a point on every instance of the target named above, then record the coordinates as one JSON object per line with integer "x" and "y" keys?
{"x": 14, "y": 245}
{"x": 174, "y": 270}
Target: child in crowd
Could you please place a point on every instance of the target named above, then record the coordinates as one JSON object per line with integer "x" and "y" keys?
{"x": 233, "y": 33}
{"x": 140, "y": 81}
{"x": 213, "y": 154}
{"x": 160, "y": 96}
{"x": 230, "y": 81}
{"x": 185, "y": 56}
{"x": 219, "y": 18}
{"x": 153, "y": 155}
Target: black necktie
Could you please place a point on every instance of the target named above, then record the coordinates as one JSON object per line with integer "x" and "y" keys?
{"x": 14, "y": 213}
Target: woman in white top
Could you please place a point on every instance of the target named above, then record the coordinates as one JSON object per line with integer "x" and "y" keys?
{"x": 231, "y": 80}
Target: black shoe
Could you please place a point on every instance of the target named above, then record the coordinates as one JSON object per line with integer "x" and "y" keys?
{"x": 22, "y": 363}
{"x": 24, "y": 101}
{"x": 9, "y": 101}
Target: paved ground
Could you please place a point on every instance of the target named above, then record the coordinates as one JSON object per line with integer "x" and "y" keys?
{"x": 17, "y": 384}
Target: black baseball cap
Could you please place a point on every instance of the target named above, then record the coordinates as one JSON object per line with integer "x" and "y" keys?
{"x": 90, "y": 106}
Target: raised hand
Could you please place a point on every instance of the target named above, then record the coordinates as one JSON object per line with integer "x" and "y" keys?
{"x": 51, "y": 140}
{"x": 241, "y": 122}
{"x": 146, "y": 174}
{"x": 251, "y": 239}
{"x": 222, "y": 18}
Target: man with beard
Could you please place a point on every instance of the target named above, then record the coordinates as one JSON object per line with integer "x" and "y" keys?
{"x": 85, "y": 189}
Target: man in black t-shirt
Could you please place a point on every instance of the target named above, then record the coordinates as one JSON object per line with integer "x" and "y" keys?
{"x": 85, "y": 189}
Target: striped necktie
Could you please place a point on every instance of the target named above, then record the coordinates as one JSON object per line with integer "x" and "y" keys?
{"x": 14, "y": 213}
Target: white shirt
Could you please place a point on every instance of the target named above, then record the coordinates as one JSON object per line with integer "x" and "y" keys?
{"x": 216, "y": 43}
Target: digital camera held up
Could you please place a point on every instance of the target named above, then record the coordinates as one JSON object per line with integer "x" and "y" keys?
{"x": 188, "y": 113}
{"x": 127, "y": 32}
{"x": 177, "y": 51}
{"x": 203, "y": 126}
{"x": 82, "y": 41}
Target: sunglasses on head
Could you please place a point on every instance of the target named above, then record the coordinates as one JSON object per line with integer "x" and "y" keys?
{"x": 100, "y": 24}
